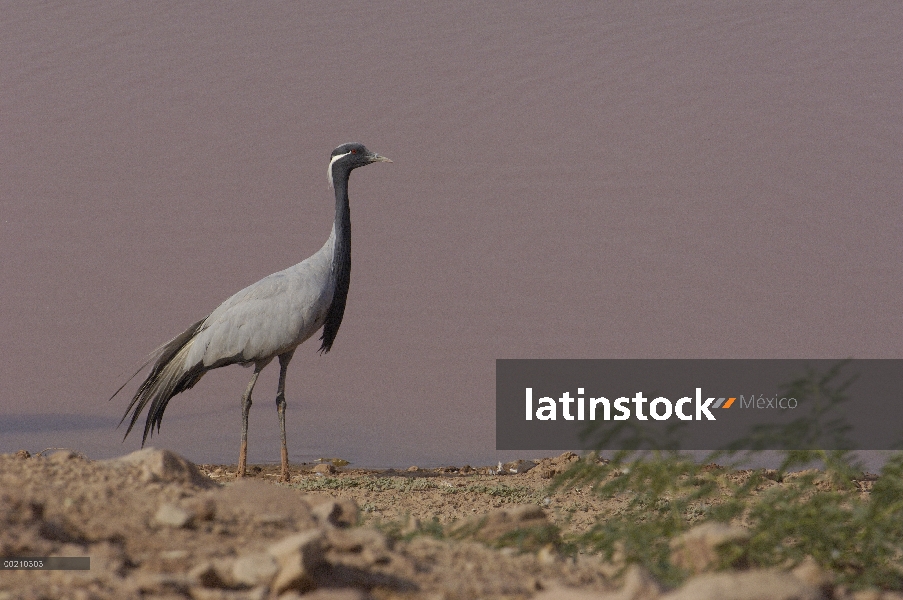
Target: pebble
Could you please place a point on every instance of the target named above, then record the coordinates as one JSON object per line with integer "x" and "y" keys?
{"x": 254, "y": 569}
{"x": 335, "y": 512}
{"x": 164, "y": 465}
{"x": 745, "y": 585}
{"x": 170, "y": 515}
{"x": 518, "y": 466}
{"x": 298, "y": 556}
{"x": 62, "y": 456}
{"x": 697, "y": 549}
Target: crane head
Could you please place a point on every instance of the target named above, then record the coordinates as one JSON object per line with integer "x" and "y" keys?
{"x": 351, "y": 156}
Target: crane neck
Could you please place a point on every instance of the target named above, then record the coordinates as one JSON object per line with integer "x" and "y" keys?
{"x": 341, "y": 260}
{"x": 342, "y": 209}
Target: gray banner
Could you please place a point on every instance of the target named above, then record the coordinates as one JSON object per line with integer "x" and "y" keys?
{"x": 699, "y": 404}
{"x": 46, "y": 563}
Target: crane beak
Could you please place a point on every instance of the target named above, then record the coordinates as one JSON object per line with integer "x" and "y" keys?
{"x": 377, "y": 158}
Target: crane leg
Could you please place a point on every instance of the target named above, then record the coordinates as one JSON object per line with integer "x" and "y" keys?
{"x": 284, "y": 359}
{"x": 245, "y": 408}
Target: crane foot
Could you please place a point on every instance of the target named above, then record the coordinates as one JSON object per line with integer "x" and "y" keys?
{"x": 284, "y": 477}
{"x": 242, "y": 459}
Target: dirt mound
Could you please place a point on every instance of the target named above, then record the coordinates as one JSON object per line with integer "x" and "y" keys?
{"x": 155, "y": 525}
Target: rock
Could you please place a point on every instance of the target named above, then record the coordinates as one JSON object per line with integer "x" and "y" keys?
{"x": 550, "y": 467}
{"x": 166, "y": 466}
{"x": 217, "y": 573}
{"x": 763, "y": 584}
{"x": 413, "y": 469}
{"x": 810, "y": 572}
{"x": 309, "y": 543}
{"x": 525, "y": 524}
{"x": 870, "y": 594}
{"x": 773, "y": 475}
{"x": 259, "y": 501}
{"x": 161, "y": 583}
{"x": 14, "y": 509}
{"x": 200, "y": 593}
{"x": 361, "y": 547}
{"x": 518, "y": 466}
{"x": 639, "y": 584}
{"x": 566, "y": 458}
{"x": 23, "y": 454}
{"x": 329, "y": 594}
{"x": 281, "y": 521}
{"x": 697, "y": 549}
{"x": 62, "y": 456}
{"x": 563, "y": 593}
{"x": 255, "y": 569}
{"x": 108, "y": 559}
{"x": 298, "y": 557}
{"x": 170, "y": 515}
{"x": 207, "y": 575}
{"x": 411, "y": 526}
{"x": 324, "y": 469}
{"x": 201, "y": 509}
{"x": 547, "y": 555}
{"x": 338, "y": 512}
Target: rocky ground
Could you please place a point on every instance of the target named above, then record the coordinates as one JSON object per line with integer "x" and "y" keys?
{"x": 157, "y": 526}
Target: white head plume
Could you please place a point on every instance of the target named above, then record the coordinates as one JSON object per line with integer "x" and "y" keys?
{"x": 332, "y": 162}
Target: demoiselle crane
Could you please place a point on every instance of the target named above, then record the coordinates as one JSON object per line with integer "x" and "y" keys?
{"x": 266, "y": 320}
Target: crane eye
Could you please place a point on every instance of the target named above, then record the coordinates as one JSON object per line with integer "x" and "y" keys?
{"x": 354, "y": 150}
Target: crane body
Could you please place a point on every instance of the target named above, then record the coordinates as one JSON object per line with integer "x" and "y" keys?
{"x": 266, "y": 320}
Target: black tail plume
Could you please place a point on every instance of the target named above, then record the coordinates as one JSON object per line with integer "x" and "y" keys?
{"x": 167, "y": 378}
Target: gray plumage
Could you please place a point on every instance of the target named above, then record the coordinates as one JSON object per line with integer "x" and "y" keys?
{"x": 267, "y": 319}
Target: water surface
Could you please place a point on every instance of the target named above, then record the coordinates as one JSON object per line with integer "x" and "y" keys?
{"x": 657, "y": 180}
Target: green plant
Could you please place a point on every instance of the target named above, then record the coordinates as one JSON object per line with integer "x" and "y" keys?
{"x": 823, "y": 514}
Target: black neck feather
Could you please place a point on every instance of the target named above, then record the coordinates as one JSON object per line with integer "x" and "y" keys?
{"x": 341, "y": 261}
